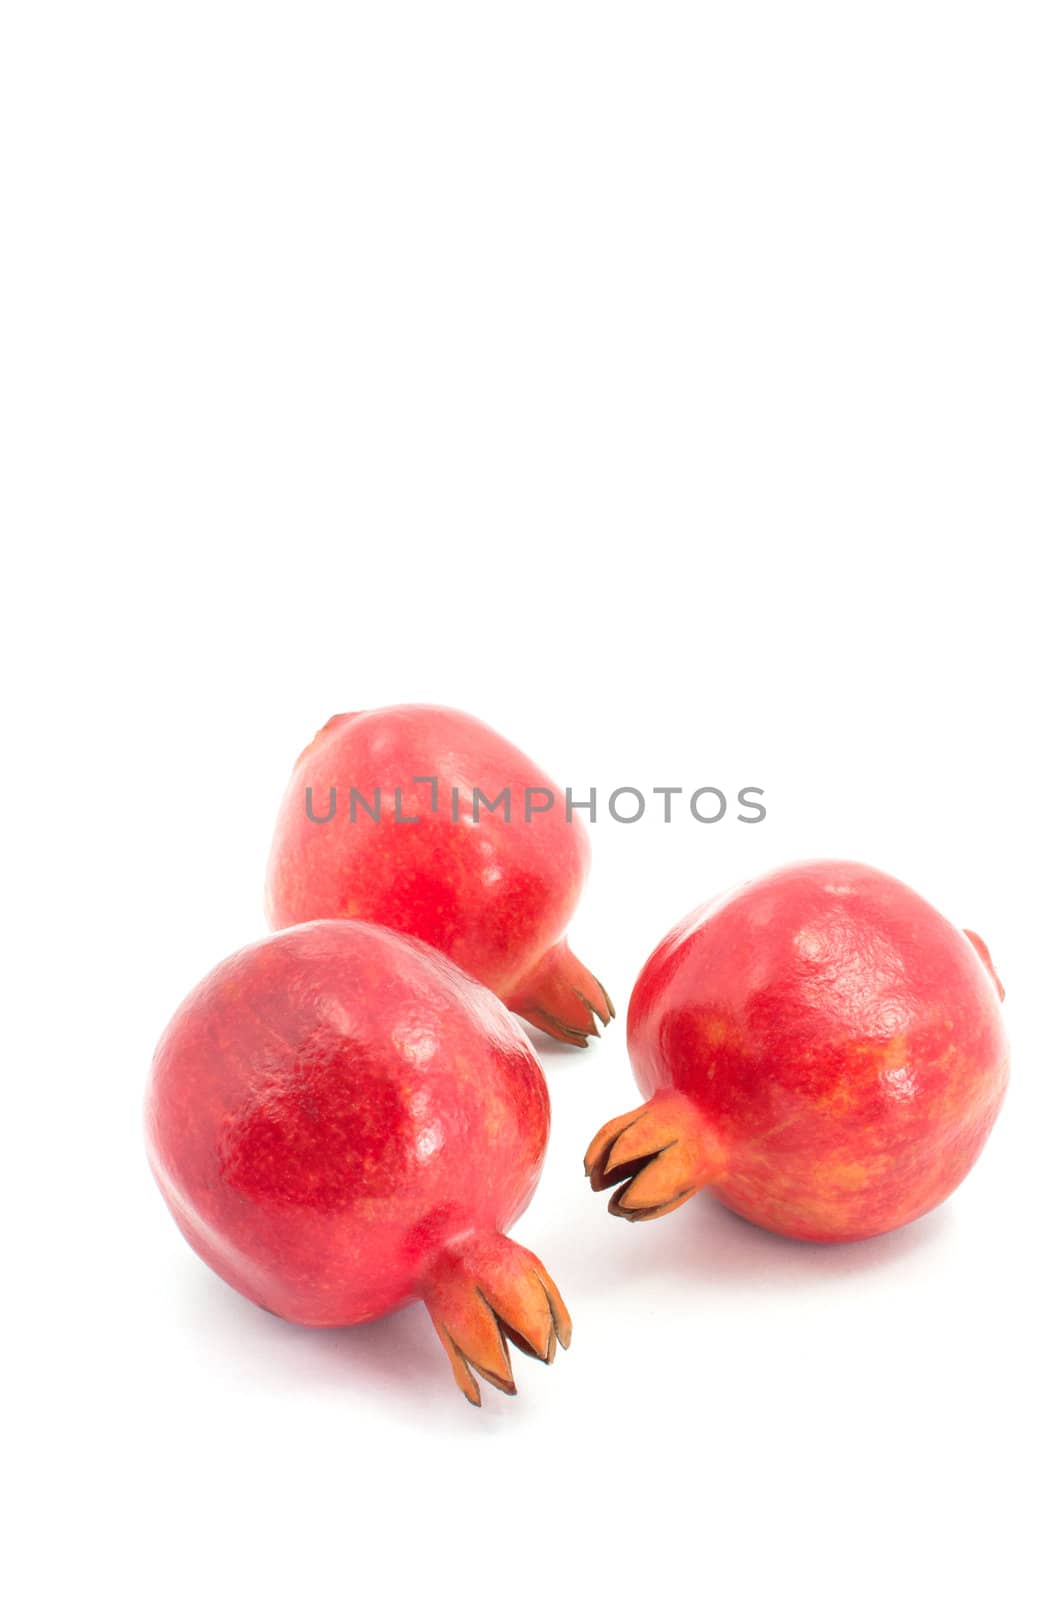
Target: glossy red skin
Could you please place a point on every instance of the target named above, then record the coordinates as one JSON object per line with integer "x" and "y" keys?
{"x": 495, "y": 897}
{"x": 333, "y": 1105}
{"x": 842, "y": 1040}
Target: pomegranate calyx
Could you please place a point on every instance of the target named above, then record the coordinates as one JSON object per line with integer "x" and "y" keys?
{"x": 987, "y": 960}
{"x": 655, "y": 1158}
{"x": 562, "y": 998}
{"x": 483, "y": 1293}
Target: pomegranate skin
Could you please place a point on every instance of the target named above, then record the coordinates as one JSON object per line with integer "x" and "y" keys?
{"x": 820, "y": 1047}
{"x": 495, "y": 895}
{"x": 341, "y": 1121}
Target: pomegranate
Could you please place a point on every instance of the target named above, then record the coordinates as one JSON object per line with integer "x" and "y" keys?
{"x": 341, "y": 1122}
{"x": 405, "y": 835}
{"x": 820, "y": 1048}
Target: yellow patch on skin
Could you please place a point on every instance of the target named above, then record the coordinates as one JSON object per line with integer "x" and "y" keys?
{"x": 896, "y": 1053}
{"x": 845, "y": 1175}
{"x": 889, "y": 1061}
{"x": 716, "y": 1031}
{"x": 494, "y": 1125}
{"x": 841, "y": 1098}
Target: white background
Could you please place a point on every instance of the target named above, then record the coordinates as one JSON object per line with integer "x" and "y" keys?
{"x": 676, "y": 387}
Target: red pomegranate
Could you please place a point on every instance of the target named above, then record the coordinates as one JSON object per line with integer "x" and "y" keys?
{"x": 430, "y": 823}
{"x": 342, "y": 1122}
{"x": 820, "y": 1048}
